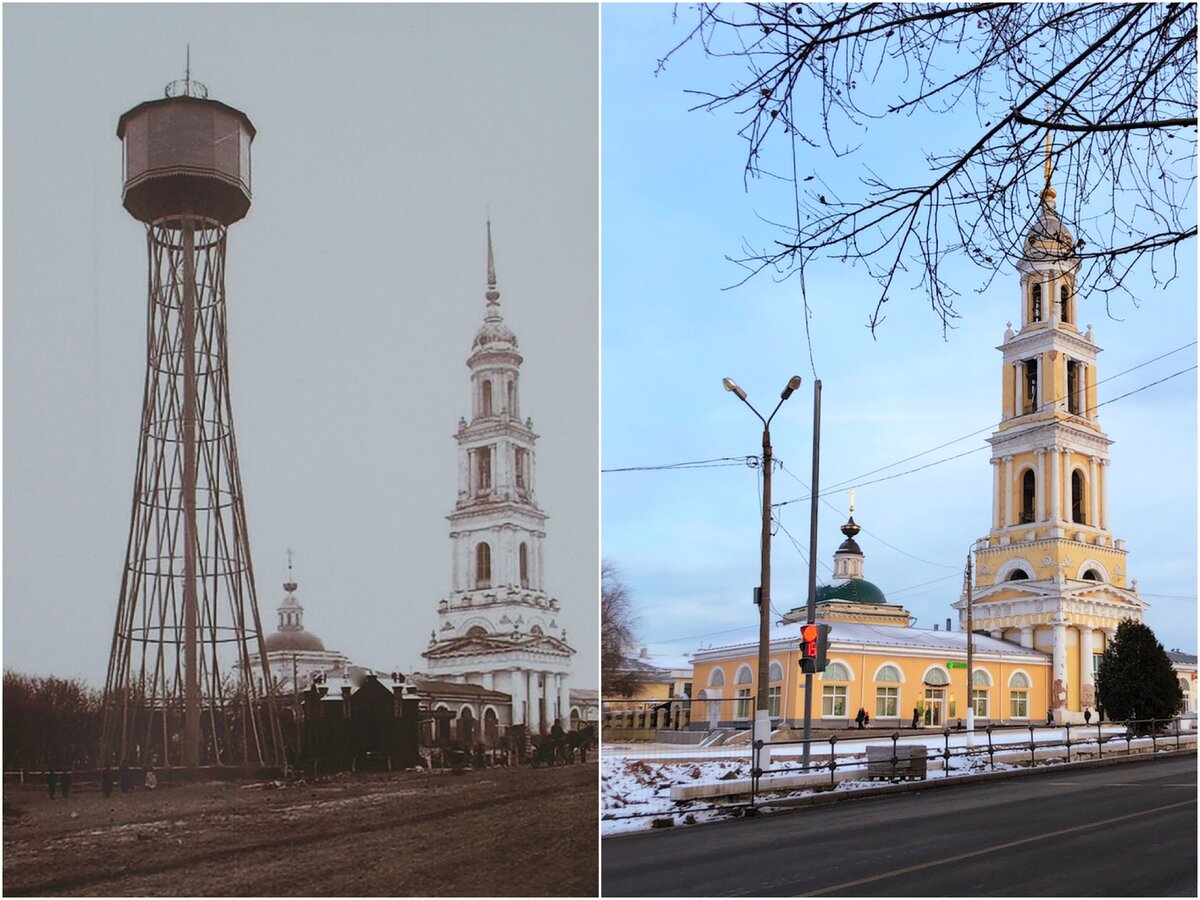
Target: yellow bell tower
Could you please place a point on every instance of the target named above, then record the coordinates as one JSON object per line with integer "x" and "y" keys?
{"x": 1049, "y": 573}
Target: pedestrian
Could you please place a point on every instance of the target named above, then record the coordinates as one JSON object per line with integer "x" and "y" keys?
{"x": 151, "y": 778}
{"x": 1050, "y": 716}
{"x": 866, "y": 719}
{"x": 106, "y": 781}
{"x": 858, "y": 719}
{"x": 52, "y": 780}
{"x": 916, "y": 716}
{"x": 65, "y": 781}
{"x": 1087, "y": 716}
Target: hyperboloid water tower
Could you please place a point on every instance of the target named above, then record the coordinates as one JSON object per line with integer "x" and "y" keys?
{"x": 187, "y": 615}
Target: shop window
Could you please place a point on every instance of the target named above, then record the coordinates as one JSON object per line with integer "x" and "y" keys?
{"x": 887, "y": 702}
{"x": 833, "y": 700}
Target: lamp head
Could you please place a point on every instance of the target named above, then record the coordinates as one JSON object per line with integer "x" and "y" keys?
{"x": 731, "y": 385}
{"x": 793, "y": 383}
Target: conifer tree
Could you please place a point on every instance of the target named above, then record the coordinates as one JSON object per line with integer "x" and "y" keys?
{"x": 1135, "y": 679}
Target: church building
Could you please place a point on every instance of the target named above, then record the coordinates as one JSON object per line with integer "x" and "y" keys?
{"x": 1049, "y": 574}
{"x": 498, "y": 627}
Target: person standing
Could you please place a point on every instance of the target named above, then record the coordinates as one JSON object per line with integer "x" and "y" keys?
{"x": 858, "y": 719}
{"x": 1050, "y": 716}
{"x": 1087, "y": 716}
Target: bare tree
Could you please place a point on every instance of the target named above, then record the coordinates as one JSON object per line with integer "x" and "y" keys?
{"x": 1113, "y": 84}
{"x": 617, "y": 624}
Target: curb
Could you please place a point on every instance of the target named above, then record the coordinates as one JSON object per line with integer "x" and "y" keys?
{"x": 827, "y": 797}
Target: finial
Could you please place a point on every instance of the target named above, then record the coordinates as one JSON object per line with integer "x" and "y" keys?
{"x": 492, "y": 294}
{"x": 290, "y": 584}
{"x": 1048, "y": 193}
{"x": 186, "y": 87}
{"x": 852, "y": 503}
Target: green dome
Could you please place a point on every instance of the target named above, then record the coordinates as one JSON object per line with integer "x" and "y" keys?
{"x": 856, "y": 590}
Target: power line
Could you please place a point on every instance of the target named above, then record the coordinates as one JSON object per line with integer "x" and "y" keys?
{"x": 717, "y": 463}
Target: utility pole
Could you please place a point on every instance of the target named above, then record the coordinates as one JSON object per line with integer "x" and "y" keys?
{"x": 970, "y": 648}
{"x": 812, "y": 559}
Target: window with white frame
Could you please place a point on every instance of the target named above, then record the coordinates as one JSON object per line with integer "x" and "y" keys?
{"x": 774, "y": 693}
{"x": 833, "y": 700}
{"x": 742, "y": 708}
{"x": 835, "y": 671}
{"x": 980, "y": 682}
{"x": 887, "y": 701}
{"x": 1018, "y": 695}
{"x": 776, "y": 672}
{"x": 716, "y": 678}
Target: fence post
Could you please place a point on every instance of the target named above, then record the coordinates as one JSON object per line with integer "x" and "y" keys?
{"x": 1032, "y": 758}
{"x": 895, "y": 738}
{"x": 991, "y": 749}
{"x": 1099, "y": 741}
{"x": 1128, "y": 737}
{"x": 755, "y": 772}
{"x": 1178, "y": 729}
{"x": 946, "y": 753}
{"x": 832, "y": 758}
{"x": 1068, "y": 726}
{"x": 1154, "y": 735}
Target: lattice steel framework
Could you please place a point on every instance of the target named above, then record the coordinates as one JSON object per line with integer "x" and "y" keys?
{"x": 180, "y": 688}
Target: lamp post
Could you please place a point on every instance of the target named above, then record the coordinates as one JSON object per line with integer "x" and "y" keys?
{"x": 762, "y": 715}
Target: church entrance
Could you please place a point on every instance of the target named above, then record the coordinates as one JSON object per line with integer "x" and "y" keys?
{"x": 935, "y": 706}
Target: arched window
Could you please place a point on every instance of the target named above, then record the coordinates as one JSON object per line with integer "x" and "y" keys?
{"x": 1092, "y": 575}
{"x": 1028, "y": 496}
{"x": 716, "y": 678}
{"x": 1184, "y": 686}
{"x": 1062, "y": 293}
{"x": 835, "y": 671}
{"x": 776, "y": 672}
{"x": 936, "y": 677}
{"x": 1018, "y": 680}
{"x": 1018, "y": 575}
{"x": 980, "y": 678}
{"x": 523, "y": 561}
{"x": 476, "y": 631}
{"x": 536, "y": 630}
{"x": 1036, "y": 306}
{"x": 888, "y": 673}
{"x": 483, "y": 565}
{"x": 1077, "y": 507}
{"x": 1018, "y": 695}
{"x": 744, "y": 676}
{"x": 980, "y": 682}
{"x": 486, "y": 398}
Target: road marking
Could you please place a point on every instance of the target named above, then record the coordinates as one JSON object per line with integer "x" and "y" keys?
{"x": 1028, "y": 840}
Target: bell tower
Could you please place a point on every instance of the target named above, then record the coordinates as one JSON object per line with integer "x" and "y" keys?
{"x": 1049, "y": 574}
{"x": 498, "y": 627}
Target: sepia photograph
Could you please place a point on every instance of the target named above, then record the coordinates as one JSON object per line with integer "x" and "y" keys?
{"x": 301, "y": 442}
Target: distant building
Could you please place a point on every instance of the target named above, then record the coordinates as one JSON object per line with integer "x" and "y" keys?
{"x": 499, "y": 628}
{"x": 295, "y": 656}
{"x": 1184, "y": 665}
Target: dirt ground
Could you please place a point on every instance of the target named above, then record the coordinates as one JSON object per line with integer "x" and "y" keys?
{"x": 497, "y": 832}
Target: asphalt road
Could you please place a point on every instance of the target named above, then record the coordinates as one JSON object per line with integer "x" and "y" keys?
{"x": 1120, "y": 830}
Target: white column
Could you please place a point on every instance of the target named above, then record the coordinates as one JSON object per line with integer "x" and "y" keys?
{"x": 1040, "y": 468}
{"x": 1058, "y": 688}
{"x": 1087, "y": 681}
{"x": 516, "y": 680}
{"x": 1066, "y": 482}
{"x": 531, "y": 687}
{"x": 997, "y": 496}
{"x": 1093, "y": 516}
{"x": 1027, "y": 636}
{"x": 564, "y": 702}
{"x": 1055, "y": 492}
{"x": 1008, "y": 491}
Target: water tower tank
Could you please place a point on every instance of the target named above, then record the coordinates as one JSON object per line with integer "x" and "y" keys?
{"x": 186, "y": 156}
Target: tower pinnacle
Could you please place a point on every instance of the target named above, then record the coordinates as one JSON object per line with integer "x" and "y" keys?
{"x": 492, "y": 295}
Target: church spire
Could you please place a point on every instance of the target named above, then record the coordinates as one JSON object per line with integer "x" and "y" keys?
{"x": 493, "y": 294}
{"x": 1048, "y": 193}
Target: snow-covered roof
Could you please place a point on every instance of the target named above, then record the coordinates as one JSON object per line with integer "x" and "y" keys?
{"x": 867, "y": 635}
{"x": 1181, "y": 659}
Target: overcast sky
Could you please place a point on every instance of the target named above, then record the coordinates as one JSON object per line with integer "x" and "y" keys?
{"x": 355, "y": 286}
{"x": 674, "y": 207}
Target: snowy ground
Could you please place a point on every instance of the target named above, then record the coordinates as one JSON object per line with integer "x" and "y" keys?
{"x": 636, "y": 779}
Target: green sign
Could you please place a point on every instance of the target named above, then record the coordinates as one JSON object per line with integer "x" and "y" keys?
{"x": 956, "y": 665}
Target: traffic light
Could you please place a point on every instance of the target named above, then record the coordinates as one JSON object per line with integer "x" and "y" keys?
{"x": 814, "y": 647}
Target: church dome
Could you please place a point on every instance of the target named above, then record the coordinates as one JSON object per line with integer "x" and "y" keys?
{"x": 492, "y": 332}
{"x": 855, "y": 590}
{"x": 293, "y": 640}
{"x": 1048, "y": 237}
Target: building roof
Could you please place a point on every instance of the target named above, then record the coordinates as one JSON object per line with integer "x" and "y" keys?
{"x": 436, "y": 688}
{"x": 855, "y": 590}
{"x": 886, "y": 636}
{"x": 1184, "y": 659}
{"x": 292, "y": 640}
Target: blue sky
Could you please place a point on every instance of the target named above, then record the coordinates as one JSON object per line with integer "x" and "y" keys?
{"x": 674, "y": 206}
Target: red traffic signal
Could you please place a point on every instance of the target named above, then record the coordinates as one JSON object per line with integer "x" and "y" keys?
{"x": 814, "y": 645}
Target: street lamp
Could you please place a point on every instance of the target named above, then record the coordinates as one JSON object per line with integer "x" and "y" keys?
{"x": 762, "y": 715}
